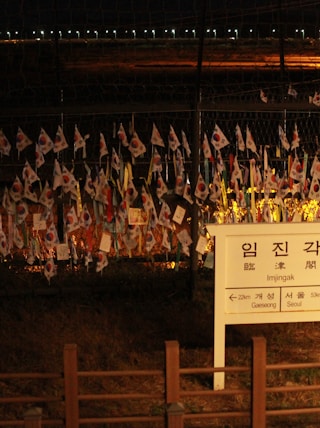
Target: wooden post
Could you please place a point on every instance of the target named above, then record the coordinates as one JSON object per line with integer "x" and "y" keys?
{"x": 259, "y": 361}
{"x": 175, "y": 409}
{"x": 71, "y": 386}
{"x": 33, "y": 417}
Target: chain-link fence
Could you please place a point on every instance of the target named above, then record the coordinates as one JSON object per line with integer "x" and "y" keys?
{"x": 96, "y": 66}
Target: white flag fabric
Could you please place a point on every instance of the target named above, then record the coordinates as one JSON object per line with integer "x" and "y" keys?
{"x": 22, "y": 140}
{"x": 173, "y": 140}
{"x": 156, "y": 161}
{"x": 29, "y": 192}
{"x": 39, "y": 156}
{"x": 315, "y": 167}
{"x": 115, "y": 160}
{"x": 80, "y": 142}
{"x": 185, "y": 143}
{"x": 161, "y": 187}
{"x": 3, "y": 243}
{"x": 201, "y": 190}
{"x": 60, "y": 142}
{"x": 314, "y": 191}
{"x": 5, "y": 146}
{"x": 218, "y": 139}
{"x": 47, "y": 197}
{"x": 85, "y": 217}
{"x": 29, "y": 174}
{"x": 136, "y": 146}
{"x": 296, "y": 171}
{"x": 45, "y": 142}
{"x": 283, "y": 138}
{"x": 102, "y": 261}
{"x": 21, "y": 211}
{"x": 72, "y": 221}
{"x": 206, "y": 147}
{"x": 123, "y": 136}
{"x": 16, "y": 190}
{"x": 165, "y": 215}
{"x": 156, "y": 138}
{"x": 187, "y": 192}
{"x": 239, "y": 138}
{"x": 51, "y": 238}
{"x": 103, "y": 149}
{"x": 150, "y": 240}
{"x": 263, "y": 96}
{"x": 131, "y": 193}
{"x": 50, "y": 269}
{"x": 165, "y": 240}
{"x": 295, "y": 138}
{"x": 57, "y": 175}
{"x": 250, "y": 143}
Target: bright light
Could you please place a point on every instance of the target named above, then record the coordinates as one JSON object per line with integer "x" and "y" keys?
{"x": 115, "y": 33}
{"x": 96, "y": 33}
{"x": 153, "y": 33}
{"x": 134, "y": 33}
{"x": 173, "y": 32}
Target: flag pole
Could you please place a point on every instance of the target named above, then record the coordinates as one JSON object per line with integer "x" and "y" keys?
{"x": 196, "y": 155}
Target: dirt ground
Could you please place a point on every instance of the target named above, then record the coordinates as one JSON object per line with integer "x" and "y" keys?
{"x": 124, "y": 324}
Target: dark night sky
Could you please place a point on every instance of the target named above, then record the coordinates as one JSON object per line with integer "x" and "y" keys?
{"x": 26, "y": 14}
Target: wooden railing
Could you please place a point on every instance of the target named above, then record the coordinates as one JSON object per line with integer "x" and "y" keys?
{"x": 168, "y": 397}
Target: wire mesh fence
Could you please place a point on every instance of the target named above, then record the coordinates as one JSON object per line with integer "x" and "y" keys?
{"x": 96, "y": 66}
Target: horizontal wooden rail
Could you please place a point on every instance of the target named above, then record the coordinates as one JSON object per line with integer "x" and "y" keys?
{"x": 30, "y": 399}
{"x": 298, "y": 411}
{"x": 121, "y": 396}
{"x": 120, "y": 420}
{"x": 293, "y": 366}
{"x": 44, "y": 422}
{"x": 226, "y": 414}
{"x": 212, "y": 370}
{"x": 212, "y": 393}
{"x": 121, "y": 373}
{"x": 292, "y": 388}
{"x": 19, "y": 376}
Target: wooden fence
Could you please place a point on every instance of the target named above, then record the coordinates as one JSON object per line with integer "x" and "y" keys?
{"x": 165, "y": 389}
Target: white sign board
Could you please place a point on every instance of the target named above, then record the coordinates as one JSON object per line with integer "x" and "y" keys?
{"x": 264, "y": 273}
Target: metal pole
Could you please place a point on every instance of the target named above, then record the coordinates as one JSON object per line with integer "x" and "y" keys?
{"x": 281, "y": 49}
{"x": 196, "y": 153}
